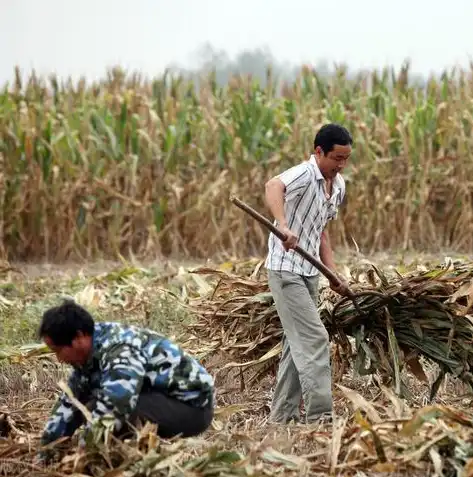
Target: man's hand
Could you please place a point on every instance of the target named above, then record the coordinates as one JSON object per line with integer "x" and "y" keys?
{"x": 342, "y": 288}
{"x": 291, "y": 238}
{"x": 39, "y": 460}
{"x": 42, "y": 458}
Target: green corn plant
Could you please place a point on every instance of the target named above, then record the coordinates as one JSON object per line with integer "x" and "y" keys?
{"x": 129, "y": 165}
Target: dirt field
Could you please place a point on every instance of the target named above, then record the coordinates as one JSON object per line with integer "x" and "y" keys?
{"x": 366, "y": 437}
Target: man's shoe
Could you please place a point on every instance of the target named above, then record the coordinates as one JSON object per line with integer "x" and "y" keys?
{"x": 321, "y": 420}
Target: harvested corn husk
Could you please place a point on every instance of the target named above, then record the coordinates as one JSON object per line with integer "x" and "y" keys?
{"x": 423, "y": 314}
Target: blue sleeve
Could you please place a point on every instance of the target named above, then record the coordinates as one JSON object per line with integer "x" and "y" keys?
{"x": 60, "y": 422}
{"x": 123, "y": 371}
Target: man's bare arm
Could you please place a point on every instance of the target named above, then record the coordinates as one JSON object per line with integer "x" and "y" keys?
{"x": 326, "y": 256}
{"x": 326, "y": 252}
{"x": 274, "y": 196}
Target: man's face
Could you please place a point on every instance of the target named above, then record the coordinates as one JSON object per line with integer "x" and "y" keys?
{"x": 75, "y": 354}
{"x": 334, "y": 162}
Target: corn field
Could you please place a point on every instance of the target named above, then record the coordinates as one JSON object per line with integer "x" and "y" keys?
{"x": 146, "y": 167}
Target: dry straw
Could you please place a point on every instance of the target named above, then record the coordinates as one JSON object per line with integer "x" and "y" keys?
{"x": 371, "y": 434}
{"x": 419, "y": 315}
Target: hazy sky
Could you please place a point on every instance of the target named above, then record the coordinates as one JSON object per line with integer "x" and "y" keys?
{"x": 85, "y": 37}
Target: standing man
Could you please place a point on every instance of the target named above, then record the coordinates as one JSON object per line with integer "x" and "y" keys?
{"x": 302, "y": 200}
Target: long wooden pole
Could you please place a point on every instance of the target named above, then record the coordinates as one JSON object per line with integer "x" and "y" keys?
{"x": 331, "y": 277}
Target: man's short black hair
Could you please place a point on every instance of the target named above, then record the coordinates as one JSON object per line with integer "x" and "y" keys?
{"x": 331, "y": 134}
{"x": 62, "y": 323}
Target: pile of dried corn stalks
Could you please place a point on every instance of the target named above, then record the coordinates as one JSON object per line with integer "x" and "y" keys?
{"x": 369, "y": 438}
{"x": 237, "y": 317}
{"x": 423, "y": 314}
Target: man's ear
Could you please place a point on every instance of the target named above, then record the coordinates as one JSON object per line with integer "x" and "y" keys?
{"x": 79, "y": 335}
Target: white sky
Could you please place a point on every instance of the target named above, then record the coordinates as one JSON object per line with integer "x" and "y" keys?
{"x": 85, "y": 38}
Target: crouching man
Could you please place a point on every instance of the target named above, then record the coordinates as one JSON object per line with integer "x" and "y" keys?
{"x": 131, "y": 374}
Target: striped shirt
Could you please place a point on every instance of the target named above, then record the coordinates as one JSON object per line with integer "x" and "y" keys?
{"x": 307, "y": 212}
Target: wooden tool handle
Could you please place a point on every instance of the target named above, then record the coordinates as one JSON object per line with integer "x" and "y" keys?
{"x": 309, "y": 257}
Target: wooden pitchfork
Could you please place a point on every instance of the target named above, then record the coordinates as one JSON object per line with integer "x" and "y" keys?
{"x": 331, "y": 277}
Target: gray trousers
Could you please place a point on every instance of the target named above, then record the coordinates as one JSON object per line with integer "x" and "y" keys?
{"x": 304, "y": 369}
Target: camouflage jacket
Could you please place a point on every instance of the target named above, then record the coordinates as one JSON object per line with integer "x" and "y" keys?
{"x": 123, "y": 359}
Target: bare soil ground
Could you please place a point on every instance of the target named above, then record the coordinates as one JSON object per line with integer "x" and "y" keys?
{"x": 366, "y": 438}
